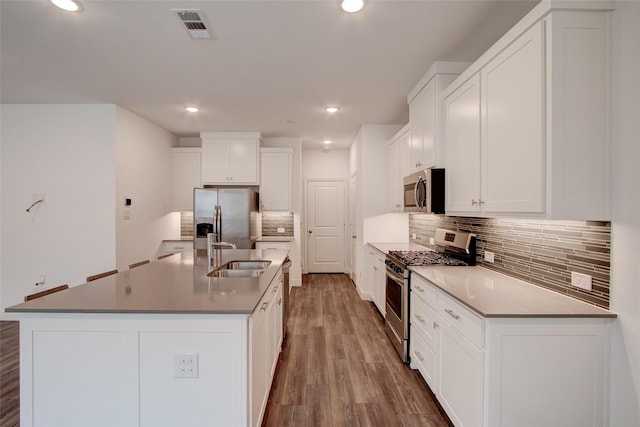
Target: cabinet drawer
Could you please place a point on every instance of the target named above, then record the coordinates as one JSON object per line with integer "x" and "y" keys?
{"x": 462, "y": 319}
{"x": 424, "y": 290}
{"x": 423, "y": 358}
{"x": 424, "y": 317}
{"x": 173, "y": 247}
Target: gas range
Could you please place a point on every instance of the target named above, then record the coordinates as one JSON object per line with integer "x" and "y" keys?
{"x": 453, "y": 248}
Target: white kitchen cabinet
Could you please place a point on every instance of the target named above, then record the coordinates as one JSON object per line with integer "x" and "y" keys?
{"x": 425, "y": 116}
{"x": 462, "y": 127}
{"x": 172, "y": 247}
{"x": 230, "y": 158}
{"x": 499, "y": 371}
{"x": 377, "y": 279}
{"x": 275, "y": 179}
{"x": 266, "y": 341}
{"x": 185, "y": 172}
{"x": 397, "y": 159}
{"x": 543, "y": 144}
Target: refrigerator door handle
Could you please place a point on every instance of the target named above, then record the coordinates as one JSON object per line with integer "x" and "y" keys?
{"x": 218, "y": 223}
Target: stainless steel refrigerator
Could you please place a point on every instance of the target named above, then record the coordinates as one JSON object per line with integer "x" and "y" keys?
{"x": 231, "y": 213}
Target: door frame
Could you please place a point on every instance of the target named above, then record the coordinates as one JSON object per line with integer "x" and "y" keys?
{"x": 305, "y": 234}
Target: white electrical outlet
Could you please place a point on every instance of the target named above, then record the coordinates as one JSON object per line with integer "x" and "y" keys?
{"x": 582, "y": 281}
{"x": 280, "y": 229}
{"x": 413, "y": 236}
{"x": 489, "y": 257}
{"x": 185, "y": 365}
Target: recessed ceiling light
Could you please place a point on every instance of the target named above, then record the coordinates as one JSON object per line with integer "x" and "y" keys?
{"x": 68, "y": 5}
{"x": 192, "y": 109}
{"x": 352, "y": 6}
{"x": 332, "y": 109}
{"x": 327, "y": 141}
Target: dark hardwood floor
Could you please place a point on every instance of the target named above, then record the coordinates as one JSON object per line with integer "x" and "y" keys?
{"x": 9, "y": 374}
{"x": 337, "y": 367}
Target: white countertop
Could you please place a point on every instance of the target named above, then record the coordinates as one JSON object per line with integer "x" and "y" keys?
{"x": 492, "y": 294}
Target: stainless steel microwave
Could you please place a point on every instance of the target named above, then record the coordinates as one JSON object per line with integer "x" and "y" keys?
{"x": 424, "y": 191}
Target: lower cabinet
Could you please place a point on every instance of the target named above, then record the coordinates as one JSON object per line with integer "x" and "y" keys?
{"x": 503, "y": 372}
{"x": 377, "y": 278}
{"x": 175, "y": 247}
{"x": 266, "y": 340}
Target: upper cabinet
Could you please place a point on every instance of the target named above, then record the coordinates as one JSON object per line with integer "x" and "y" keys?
{"x": 425, "y": 116}
{"x": 397, "y": 157}
{"x": 275, "y": 179}
{"x": 526, "y": 124}
{"x": 185, "y": 171}
{"x": 230, "y": 158}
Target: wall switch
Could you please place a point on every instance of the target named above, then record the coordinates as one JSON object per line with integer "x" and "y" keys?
{"x": 489, "y": 257}
{"x": 413, "y": 236}
{"x": 280, "y": 229}
{"x": 185, "y": 365}
{"x": 582, "y": 281}
{"x": 432, "y": 241}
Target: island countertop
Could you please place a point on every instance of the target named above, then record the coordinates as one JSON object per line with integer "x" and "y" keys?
{"x": 177, "y": 284}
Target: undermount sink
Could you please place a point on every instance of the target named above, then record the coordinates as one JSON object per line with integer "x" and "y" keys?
{"x": 235, "y": 273}
{"x": 245, "y": 265}
{"x": 249, "y": 268}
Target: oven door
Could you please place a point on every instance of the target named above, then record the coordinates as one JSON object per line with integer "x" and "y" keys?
{"x": 396, "y": 303}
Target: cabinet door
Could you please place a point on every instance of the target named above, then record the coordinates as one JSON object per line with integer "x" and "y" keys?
{"x": 380, "y": 282}
{"x": 244, "y": 161}
{"x": 462, "y": 141}
{"x": 422, "y": 120}
{"x": 276, "y": 332}
{"x": 513, "y": 127}
{"x": 394, "y": 181}
{"x": 275, "y": 181}
{"x": 259, "y": 369}
{"x": 460, "y": 377}
{"x": 186, "y": 176}
{"x": 215, "y": 161}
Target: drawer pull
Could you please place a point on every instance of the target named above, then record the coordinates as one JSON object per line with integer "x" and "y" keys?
{"x": 420, "y": 319}
{"x": 275, "y": 289}
{"x": 435, "y": 325}
{"x": 451, "y": 313}
{"x": 419, "y": 356}
{"x": 419, "y": 288}
{"x": 264, "y": 306}
{"x": 280, "y": 301}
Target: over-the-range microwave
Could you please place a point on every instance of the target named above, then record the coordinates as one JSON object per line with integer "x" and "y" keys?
{"x": 424, "y": 191}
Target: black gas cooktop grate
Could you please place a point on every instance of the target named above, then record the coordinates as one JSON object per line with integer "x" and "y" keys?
{"x": 417, "y": 258}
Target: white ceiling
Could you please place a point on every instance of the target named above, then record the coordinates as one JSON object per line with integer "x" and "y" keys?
{"x": 273, "y": 66}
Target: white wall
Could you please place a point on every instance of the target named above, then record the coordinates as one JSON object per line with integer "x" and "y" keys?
{"x": 295, "y": 273}
{"x": 318, "y": 164}
{"x": 143, "y": 173}
{"x": 625, "y": 240}
{"x": 66, "y": 152}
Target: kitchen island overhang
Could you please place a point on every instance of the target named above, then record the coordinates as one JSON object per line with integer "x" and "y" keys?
{"x": 104, "y": 353}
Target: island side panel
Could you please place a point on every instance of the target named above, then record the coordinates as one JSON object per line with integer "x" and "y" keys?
{"x": 106, "y": 370}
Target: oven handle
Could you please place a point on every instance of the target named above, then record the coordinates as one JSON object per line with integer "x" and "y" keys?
{"x": 395, "y": 277}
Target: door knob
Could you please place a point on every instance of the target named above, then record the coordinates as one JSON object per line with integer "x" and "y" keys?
{"x": 310, "y": 232}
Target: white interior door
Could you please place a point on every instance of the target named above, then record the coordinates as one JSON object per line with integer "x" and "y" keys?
{"x": 325, "y": 227}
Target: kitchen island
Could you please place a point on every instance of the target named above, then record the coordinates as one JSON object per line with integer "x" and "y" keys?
{"x": 163, "y": 344}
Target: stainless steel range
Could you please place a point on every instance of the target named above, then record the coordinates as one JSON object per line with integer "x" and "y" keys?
{"x": 454, "y": 248}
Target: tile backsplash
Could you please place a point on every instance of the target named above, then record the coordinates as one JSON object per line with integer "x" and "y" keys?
{"x": 536, "y": 251}
{"x": 186, "y": 224}
{"x": 271, "y": 221}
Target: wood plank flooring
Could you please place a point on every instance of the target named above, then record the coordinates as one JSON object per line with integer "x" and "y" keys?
{"x": 338, "y": 367}
{"x": 9, "y": 374}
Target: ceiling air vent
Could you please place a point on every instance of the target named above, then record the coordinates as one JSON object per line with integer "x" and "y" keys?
{"x": 193, "y": 21}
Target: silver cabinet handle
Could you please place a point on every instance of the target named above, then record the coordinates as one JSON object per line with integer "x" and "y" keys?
{"x": 275, "y": 289}
{"x": 451, "y": 313}
{"x": 280, "y": 301}
{"x": 473, "y": 202}
{"x": 419, "y": 356}
{"x": 419, "y": 288}
{"x": 435, "y": 325}
{"x": 264, "y": 306}
{"x": 420, "y": 319}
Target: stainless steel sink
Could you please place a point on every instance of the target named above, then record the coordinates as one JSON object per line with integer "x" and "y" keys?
{"x": 245, "y": 265}
{"x": 222, "y": 272}
{"x": 249, "y": 268}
